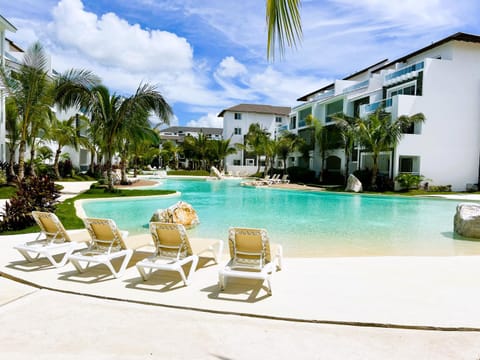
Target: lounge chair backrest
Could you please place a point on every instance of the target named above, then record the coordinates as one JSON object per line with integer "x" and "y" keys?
{"x": 104, "y": 234}
{"x": 51, "y": 226}
{"x": 250, "y": 247}
{"x": 170, "y": 239}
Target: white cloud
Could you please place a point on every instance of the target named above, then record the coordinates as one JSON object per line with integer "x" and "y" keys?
{"x": 209, "y": 120}
{"x": 113, "y": 42}
{"x": 230, "y": 67}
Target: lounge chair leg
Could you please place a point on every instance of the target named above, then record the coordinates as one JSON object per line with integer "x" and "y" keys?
{"x": 27, "y": 256}
{"x": 221, "y": 282}
{"x": 269, "y": 285}
{"x": 78, "y": 266}
{"x": 192, "y": 269}
{"x": 124, "y": 265}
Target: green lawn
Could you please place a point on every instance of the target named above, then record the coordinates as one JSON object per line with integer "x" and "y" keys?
{"x": 6, "y": 191}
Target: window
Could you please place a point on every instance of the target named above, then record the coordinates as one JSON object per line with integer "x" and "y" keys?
{"x": 237, "y": 131}
{"x": 237, "y": 162}
{"x": 250, "y": 162}
{"x": 332, "y": 109}
{"x": 406, "y": 165}
{"x": 405, "y": 89}
{"x": 278, "y": 119}
{"x": 293, "y": 122}
{"x": 409, "y": 164}
{"x": 238, "y": 116}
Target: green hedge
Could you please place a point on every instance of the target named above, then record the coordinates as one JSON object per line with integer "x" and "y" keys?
{"x": 188, "y": 172}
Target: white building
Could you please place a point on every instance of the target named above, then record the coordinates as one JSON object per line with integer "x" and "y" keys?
{"x": 4, "y": 27}
{"x": 237, "y": 120}
{"x": 442, "y": 81}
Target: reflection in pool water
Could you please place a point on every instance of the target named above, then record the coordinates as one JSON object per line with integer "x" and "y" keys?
{"x": 306, "y": 223}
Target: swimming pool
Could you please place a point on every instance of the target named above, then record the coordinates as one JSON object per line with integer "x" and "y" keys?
{"x": 305, "y": 223}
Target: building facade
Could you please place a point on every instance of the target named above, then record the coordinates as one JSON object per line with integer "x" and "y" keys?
{"x": 236, "y": 122}
{"x": 442, "y": 81}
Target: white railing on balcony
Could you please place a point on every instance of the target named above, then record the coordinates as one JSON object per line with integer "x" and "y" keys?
{"x": 324, "y": 95}
{"x": 404, "y": 71}
{"x": 282, "y": 128}
{"x": 357, "y": 86}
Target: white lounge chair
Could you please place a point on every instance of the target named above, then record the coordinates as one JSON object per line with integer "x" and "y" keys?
{"x": 284, "y": 179}
{"x": 250, "y": 256}
{"x": 52, "y": 240}
{"x": 107, "y": 243}
{"x": 173, "y": 251}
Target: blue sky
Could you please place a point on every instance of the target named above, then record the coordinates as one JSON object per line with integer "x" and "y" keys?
{"x": 207, "y": 55}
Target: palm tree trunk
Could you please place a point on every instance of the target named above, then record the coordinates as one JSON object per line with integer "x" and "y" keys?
{"x": 11, "y": 165}
{"x": 374, "y": 172}
{"x": 92, "y": 161}
{"x": 32, "y": 157}
{"x": 21, "y": 160}
{"x": 55, "y": 163}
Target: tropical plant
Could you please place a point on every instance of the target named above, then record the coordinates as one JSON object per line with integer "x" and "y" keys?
{"x": 13, "y": 134}
{"x": 255, "y": 141}
{"x": 30, "y": 89}
{"x": 378, "y": 133}
{"x": 409, "y": 181}
{"x": 170, "y": 153}
{"x": 33, "y": 194}
{"x": 347, "y": 126}
{"x": 284, "y": 26}
{"x": 288, "y": 143}
{"x": 65, "y": 133}
{"x": 220, "y": 149}
{"x": 113, "y": 114}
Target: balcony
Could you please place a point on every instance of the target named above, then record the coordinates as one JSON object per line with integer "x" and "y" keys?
{"x": 357, "y": 86}
{"x": 302, "y": 123}
{"x": 408, "y": 72}
{"x": 282, "y": 128}
{"x": 324, "y": 95}
{"x": 370, "y": 108}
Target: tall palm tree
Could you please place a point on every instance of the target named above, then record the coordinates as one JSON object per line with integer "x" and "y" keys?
{"x": 284, "y": 26}
{"x": 348, "y": 128}
{"x": 30, "y": 88}
{"x": 114, "y": 112}
{"x": 378, "y": 133}
{"x": 170, "y": 152}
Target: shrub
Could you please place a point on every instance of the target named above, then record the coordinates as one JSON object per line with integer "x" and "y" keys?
{"x": 440, "y": 188}
{"x": 65, "y": 168}
{"x": 409, "y": 181}
{"x": 189, "y": 172}
{"x": 33, "y": 194}
{"x": 300, "y": 174}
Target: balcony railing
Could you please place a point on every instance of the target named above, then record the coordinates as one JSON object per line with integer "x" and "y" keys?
{"x": 302, "y": 123}
{"x": 357, "y": 86}
{"x": 369, "y": 108}
{"x": 405, "y": 70}
{"x": 324, "y": 95}
{"x": 283, "y": 128}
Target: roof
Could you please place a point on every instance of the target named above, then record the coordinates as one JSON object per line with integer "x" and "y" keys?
{"x": 259, "y": 109}
{"x": 191, "y": 129}
{"x": 305, "y": 97}
{"x": 459, "y": 36}
{"x": 4, "y": 23}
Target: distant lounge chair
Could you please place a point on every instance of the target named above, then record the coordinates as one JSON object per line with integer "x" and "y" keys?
{"x": 284, "y": 179}
{"x": 250, "y": 256}
{"x": 107, "y": 243}
{"x": 173, "y": 251}
{"x": 52, "y": 240}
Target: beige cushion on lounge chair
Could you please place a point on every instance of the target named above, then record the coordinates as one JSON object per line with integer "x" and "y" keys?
{"x": 52, "y": 239}
{"x": 172, "y": 251}
{"x": 250, "y": 256}
{"x": 107, "y": 243}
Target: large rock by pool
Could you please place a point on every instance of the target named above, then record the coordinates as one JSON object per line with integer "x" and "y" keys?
{"x": 467, "y": 220}
{"x": 180, "y": 213}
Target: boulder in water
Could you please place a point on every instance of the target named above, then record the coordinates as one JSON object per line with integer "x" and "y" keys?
{"x": 467, "y": 220}
{"x": 180, "y": 213}
{"x": 353, "y": 184}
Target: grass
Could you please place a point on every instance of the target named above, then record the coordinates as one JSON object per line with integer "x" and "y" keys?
{"x": 7, "y": 191}
{"x": 189, "y": 172}
{"x": 66, "y": 210}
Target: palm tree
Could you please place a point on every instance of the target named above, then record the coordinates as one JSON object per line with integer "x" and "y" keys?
{"x": 13, "y": 134}
{"x": 256, "y": 139}
{"x": 348, "y": 132}
{"x": 170, "y": 151}
{"x": 112, "y": 113}
{"x": 65, "y": 133}
{"x": 379, "y": 133}
{"x": 288, "y": 143}
{"x": 284, "y": 26}
{"x": 31, "y": 91}
{"x": 220, "y": 150}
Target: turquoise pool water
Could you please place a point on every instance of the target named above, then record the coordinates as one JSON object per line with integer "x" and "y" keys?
{"x": 305, "y": 223}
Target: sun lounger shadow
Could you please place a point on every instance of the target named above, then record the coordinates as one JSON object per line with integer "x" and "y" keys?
{"x": 246, "y": 291}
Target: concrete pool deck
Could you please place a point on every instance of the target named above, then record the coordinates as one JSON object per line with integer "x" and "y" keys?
{"x": 400, "y": 307}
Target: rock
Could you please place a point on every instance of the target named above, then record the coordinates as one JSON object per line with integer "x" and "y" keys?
{"x": 353, "y": 184}
{"x": 180, "y": 213}
{"x": 467, "y": 220}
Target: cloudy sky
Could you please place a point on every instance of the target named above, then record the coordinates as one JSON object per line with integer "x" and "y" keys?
{"x": 207, "y": 55}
